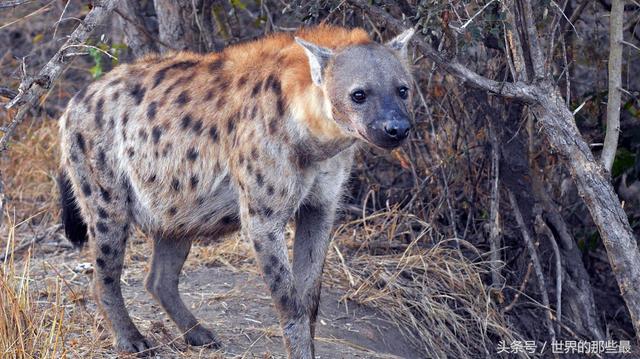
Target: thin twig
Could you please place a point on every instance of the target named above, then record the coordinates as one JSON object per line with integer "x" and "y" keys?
{"x": 542, "y": 226}
{"x": 494, "y": 221}
{"x": 533, "y": 253}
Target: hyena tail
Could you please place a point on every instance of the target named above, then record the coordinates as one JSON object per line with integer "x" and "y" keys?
{"x": 74, "y": 225}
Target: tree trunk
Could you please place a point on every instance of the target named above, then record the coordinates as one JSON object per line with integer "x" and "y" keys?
{"x": 137, "y": 36}
{"x": 615, "y": 83}
{"x": 177, "y": 25}
{"x": 593, "y": 185}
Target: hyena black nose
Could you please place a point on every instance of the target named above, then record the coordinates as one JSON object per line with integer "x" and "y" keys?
{"x": 397, "y": 129}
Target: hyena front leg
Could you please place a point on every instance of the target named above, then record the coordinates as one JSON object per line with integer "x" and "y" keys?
{"x": 265, "y": 227}
{"x": 169, "y": 256}
{"x": 313, "y": 227}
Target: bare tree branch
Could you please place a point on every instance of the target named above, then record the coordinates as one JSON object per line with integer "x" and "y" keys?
{"x": 13, "y": 3}
{"x": 32, "y": 88}
{"x": 518, "y": 90}
{"x": 616, "y": 22}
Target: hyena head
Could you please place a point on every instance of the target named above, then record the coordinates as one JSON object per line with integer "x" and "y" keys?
{"x": 367, "y": 87}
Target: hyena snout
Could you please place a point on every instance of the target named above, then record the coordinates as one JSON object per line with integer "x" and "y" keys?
{"x": 391, "y": 131}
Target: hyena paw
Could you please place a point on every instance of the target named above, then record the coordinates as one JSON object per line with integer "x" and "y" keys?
{"x": 200, "y": 336}
{"x": 135, "y": 344}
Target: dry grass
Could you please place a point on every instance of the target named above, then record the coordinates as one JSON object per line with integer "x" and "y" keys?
{"x": 31, "y": 319}
{"x": 434, "y": 294}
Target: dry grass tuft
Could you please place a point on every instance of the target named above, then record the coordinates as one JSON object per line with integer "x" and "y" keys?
{"x": 31, "y": 321}
{"x": 433, "y": 293}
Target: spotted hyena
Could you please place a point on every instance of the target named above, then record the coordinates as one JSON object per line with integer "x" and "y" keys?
{"x": 190, "y": 145}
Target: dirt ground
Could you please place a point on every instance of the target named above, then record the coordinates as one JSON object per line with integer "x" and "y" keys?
{"x": 231, "y": 301}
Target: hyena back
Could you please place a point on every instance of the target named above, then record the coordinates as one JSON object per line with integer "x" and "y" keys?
{"x": 189, "y": 145}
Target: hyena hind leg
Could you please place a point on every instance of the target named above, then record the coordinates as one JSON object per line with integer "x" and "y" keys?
{"x": 162, "y": 281}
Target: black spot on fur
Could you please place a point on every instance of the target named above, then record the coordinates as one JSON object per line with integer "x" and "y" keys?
{"x": 194, "y": 181}
{"x": 267, "y": 211}
{"x": 105, "y": 249}
{"x": 270, "y": 190}
{"x": 106, "y": 195}
{"x": 280, "y": 106}
{"x": 213, "y": 133}
{"x": 102, "y": 160}
{"x": 175, "y": 184}
{"x": 209, "y": 95}
{"x": 197, "y": 127}
{"x": 230, "y": 126}
{"x": 284, "y": 300}
{"x": 192, "y": 154}
{"x": 254, "y": 154}
{"x": 302, "y": 157}
{"x": 242, "y": 80}
{"x": 273, "y": 126}
{"x": 216, "y": 65}
{"x": 269, "y": 81}
{"x": 161, "y": 74}
{"x": 275, "y": 86}
{"x": 99, "y": 113}
{"x": 272, "y": 236}
{"x": 273, "y": 261}
{"x": 131, "y": 152}
{"x": 144, "y": 136}
{"x": 256, "y": 88}
{"x": 115, "y": 96}
{"x": 183, "y": 99}
{"x": 259, "y": 179}
{"x": 81, "y": 143}
{"x": 86, "y": 189}
{"x": 166, "y": 149}
{"x": 172, "y": 211}
{"x": 185, "y": 122}
{"x": 102, "y": 213}
{"x": 222, "y": 100}
{"x": 257, "y": 246}
{"x": 152, "y": 178}
{"x": 156, "y": 132}
{"x": 151, "y": 110}
{"x": 107, "y": 280}
{"x": 137, "y": 92}
{"x": 100, "y": 262}
{"x": 102, "y": 227}
{"x": 125, "y": 119}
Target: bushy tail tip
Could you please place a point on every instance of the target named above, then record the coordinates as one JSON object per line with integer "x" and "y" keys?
{"x": 74, "y": 226}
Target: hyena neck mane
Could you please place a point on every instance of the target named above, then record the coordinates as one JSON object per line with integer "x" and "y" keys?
{"x": 277, "y": 63}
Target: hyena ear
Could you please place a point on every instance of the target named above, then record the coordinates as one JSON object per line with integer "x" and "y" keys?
{"x": 399, "y": 43}
{"x": 318, "y": 59}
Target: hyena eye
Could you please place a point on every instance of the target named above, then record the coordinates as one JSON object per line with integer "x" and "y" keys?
{"x": 403, "y": 92}
{"x": 358, "y": 96}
